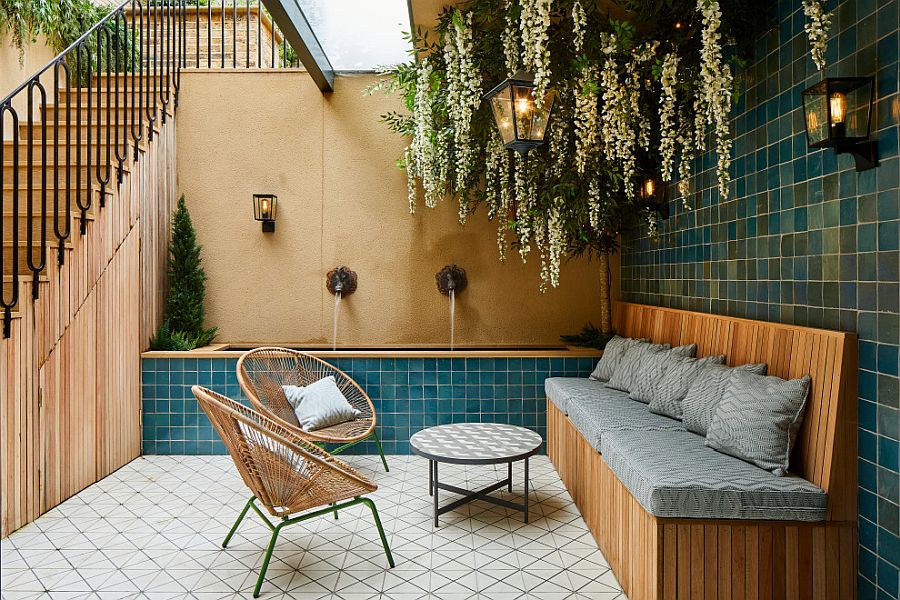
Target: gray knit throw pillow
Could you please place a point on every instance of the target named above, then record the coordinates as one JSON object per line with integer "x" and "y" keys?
{"x": 706, "y": 392}
{"x": 758, "y": 419}
{"x": 664, "y": 389}
{"x": 612, "y": 355}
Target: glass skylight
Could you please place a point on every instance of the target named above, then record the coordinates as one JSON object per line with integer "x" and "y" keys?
{"x": 360, "y": 35}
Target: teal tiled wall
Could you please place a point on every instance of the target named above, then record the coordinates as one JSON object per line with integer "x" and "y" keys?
{"x": 805, "y": 239}
{"x": 408, "y": 394}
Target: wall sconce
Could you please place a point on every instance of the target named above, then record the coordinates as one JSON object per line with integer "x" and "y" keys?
{"x": 521, "y": 123}
{"x": 838, "y": 114}
{"x": 264, "y": 210}
{"x": 653, "y": 193}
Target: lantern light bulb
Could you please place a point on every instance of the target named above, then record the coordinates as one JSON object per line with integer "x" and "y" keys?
{"x": 649, "y": 188}
{"x": 838, "y": 103}
{"x": 523, "y": 106}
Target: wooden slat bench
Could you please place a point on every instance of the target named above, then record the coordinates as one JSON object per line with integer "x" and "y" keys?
{"x": 691, "y": 559}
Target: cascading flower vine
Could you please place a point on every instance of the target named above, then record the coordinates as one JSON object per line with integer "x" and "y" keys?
{"x": 510, "y": 43}
{"x": 463, "y": 94}
{"x": 534, "y": 23}
{"x": 717, "y": 83}
{"x": 524, "y": 201}
{"x": 667, "y": 115}
{"x": 817, "y": 30}
{"x": 624, "y": 124}
{"x": 578, "y": 191}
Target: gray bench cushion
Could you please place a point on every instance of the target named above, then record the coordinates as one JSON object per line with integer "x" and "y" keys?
{"x": 673, "y": 474}
{"x": 612, "y": 410}
{"x": 562, "y": 390}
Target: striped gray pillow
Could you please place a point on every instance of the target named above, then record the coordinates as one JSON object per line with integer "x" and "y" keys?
{"x": 706, "y": 392}
{"x": 613, "y": 352}
{"x": 758, "y": 419}
{"x": 666, "y": 394}
{"x": 654, "y": 368}
{"x": 629, "y": 370}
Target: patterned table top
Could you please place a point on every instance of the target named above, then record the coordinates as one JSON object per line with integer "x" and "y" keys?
{"x": 476, "y": 443}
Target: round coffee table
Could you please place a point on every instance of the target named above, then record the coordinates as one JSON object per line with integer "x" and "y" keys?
{"x": 475, "y": 444}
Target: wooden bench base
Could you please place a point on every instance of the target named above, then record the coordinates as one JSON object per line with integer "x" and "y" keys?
{"x": 690, "y": 559}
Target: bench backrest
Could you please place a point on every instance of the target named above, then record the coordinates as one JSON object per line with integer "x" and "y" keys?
{"x": 825, "y": 452}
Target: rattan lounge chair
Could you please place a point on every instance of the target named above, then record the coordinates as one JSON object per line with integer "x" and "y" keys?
{"x": 262, "y": 372}
{"x": 287, "y": 474}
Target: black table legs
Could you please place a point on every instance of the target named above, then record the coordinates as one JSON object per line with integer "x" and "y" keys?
{"x": 434, "y": 485}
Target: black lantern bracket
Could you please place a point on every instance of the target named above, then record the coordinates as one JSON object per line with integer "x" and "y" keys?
{"x": 838, "y": 115}
{"x": 265, "y": 208}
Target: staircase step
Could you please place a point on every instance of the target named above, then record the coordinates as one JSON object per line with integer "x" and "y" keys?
{"x": 52, "y": 246}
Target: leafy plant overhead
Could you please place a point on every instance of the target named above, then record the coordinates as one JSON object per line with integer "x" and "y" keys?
{"x": 642, "y": 94}
{"x": 182, "y": 328}
{"x": 61, "y": 23}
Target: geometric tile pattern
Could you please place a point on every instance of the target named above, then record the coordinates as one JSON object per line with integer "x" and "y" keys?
{"x": 803, "y": 237}
{"x": 154, "y": 528}
{"x": 409, "y": 394}
{"x": 475, "y": 443}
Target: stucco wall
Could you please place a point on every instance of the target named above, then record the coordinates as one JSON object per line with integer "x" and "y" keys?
{"x": 341, "y": 200}
{"x": 12, "y": 72}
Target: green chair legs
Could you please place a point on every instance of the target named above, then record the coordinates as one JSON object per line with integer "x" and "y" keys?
{"x": 285, "y": 521}
{"x": 374, "y": 436}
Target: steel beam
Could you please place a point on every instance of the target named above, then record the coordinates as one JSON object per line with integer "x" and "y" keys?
{"x": 296, "y": 30}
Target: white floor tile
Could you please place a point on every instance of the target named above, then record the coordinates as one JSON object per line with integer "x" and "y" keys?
{"x": 153, "y": 530}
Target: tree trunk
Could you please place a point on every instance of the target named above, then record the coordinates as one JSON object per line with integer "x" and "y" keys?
{"x": 605, "y": 303}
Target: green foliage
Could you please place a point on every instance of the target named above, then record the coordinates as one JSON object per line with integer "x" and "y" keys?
{"x": 62, "y": 22}
{"x": 589, "y": 337}
{"x": 183, "y": 328}
{"x": 646, "y": 20}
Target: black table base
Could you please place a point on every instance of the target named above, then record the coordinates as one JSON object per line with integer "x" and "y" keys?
{"x": 469, "y": 495}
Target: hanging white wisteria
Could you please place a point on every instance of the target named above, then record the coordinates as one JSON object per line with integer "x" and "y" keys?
{"x": 534, "y": 23}
{"x": 667, "y": 116}
{"x": 617, "y": 94}
{"x": 555, "y": 239}
{"x": 717, "y": 83}
{"x": 817, "y": 28}
{"x": 594, "y": 201}
{"x": 524, "y": 200}
{"x": 510, "y": 41}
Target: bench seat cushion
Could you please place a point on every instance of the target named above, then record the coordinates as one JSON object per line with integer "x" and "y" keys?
{"x": 673, "y": 474}
{"x": 595, "y": 409}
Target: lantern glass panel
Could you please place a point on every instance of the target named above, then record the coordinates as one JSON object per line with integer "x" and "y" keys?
{"x": 264, "y": 207}
{"x": 531, "y": 121}
{"x": 503, "y": 115}
{"x": 816, "y": 118}
{"x": 856, "y": 112}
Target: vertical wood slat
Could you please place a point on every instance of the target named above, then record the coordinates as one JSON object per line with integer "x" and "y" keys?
{"x": 70, "y": 371}
{"x": 825, "y": 451}
{"x": 683, "y": 559}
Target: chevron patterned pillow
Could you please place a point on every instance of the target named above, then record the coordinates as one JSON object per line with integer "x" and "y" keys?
{"x": 758, "y": 419}
{"x": 705, "y": 393}
{"x": 612, "y": 355}
{"x": 666, "y": 394}
{"x": 652, "y": 370}
{"x": 626, "y": 375}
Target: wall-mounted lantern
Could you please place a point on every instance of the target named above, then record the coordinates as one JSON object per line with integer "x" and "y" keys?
{"x": 264, "y": 210}
{"x": 653, "y": 194}
{"x": 838, "y": 114}
{"x": 522, "y": 124}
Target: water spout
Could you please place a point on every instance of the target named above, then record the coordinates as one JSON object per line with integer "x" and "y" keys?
{"x": 452, "y": 319}
{"x": 340, "y": 282}
{"x": 334, "y": 322}
{"x": 450, "y": 281}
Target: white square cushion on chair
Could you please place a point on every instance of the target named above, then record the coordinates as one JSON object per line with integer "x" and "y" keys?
{"x": 320, "y": 404}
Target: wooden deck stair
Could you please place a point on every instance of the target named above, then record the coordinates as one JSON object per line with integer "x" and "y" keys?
{"x": 70, "y": 370}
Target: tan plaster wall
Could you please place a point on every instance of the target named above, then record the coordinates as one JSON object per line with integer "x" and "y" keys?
{"x": 13, "y": 73}
{"x": 341, "y": 200}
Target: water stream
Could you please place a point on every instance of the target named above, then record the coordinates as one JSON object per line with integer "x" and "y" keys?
{"x": 334, "y": 324}
{"x": 452, "y": 317}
